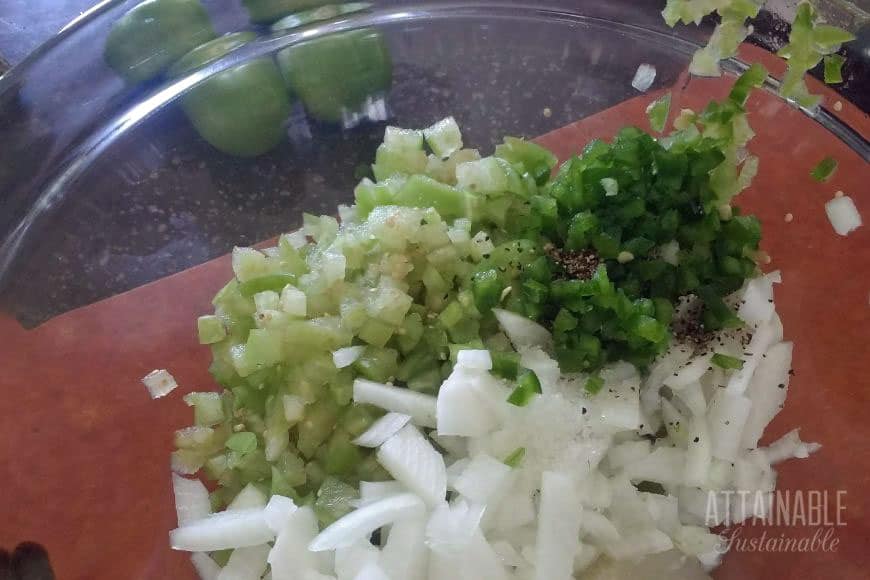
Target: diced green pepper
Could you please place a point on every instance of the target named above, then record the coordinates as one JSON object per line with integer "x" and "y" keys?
{"x": 834, "y": 68}
{"x": 505, "y": 364}
{"x": 657, "y": 112}
{"x": 515, "y": 457}
{"x": 593, "y": 384}
{"x": 487, "y": 287}
{"x": 825, "y": 169}
{"x": 210, "y": 329}
{"x": 527, "y": 387}
{"x": 273, "y": 282}
{"x": 244, "y": 442}
{"x": 423, "y": 192}
{"x": 727, "y": 362}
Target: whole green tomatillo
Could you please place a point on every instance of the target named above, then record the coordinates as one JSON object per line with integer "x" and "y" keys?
{"x": 240, "y": 111}
{"x": 154, "y": 34}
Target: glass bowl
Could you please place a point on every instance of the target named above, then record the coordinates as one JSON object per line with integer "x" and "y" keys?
{"x": 116, "y": 218}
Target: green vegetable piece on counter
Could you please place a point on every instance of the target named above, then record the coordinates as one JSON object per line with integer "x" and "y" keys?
{"x": 240, "y": 111}
{"x": 527, "y": 387}
{"x": 825, "y": 169}
{"x": 335, "y": 74}
{"x": 724, "y": 361}
{"x": 516, "y": 457}
{"x": 145, "y": 41}
{"x": 657, "y": 112}
{"x": 834, "y": 68}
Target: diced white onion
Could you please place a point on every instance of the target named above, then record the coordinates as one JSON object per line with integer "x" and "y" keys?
{"x": 726, "y": 418}
{"x": 843, "y": 215}
{"x": 294, "y": 408}
{"x": 474, "y": 359}
{"x": 246, "y": 563}
{"x": 666, "y": 465}
{"x": 372, "y": 572}
{"x": 344, "y": 357}
{"x": 767, "y": 392}
{"x": 558, "y": 528}
{"x": 788, "y": 446}
{"x": 483, "y": 479}
{"x": 278, "y": 511}
{"x": 405, "y": 554}
{"x": 159, "y": 383}
{"x": 644, "y": 77}
{"x": 206, "y": 568}
{"x": 290, "y": 556}
{"x": 249, "y": 498}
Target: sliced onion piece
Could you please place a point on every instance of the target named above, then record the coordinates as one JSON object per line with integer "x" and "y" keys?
{"x": 191, "y": 499}
{"x": 405, "y": 554}
{"x": 474, "y": 359}
{"x": 421, "y": 408}
{"x": 290, "y": 556}
{"x": 522, "y": 332}
{"x": 789, "y": 446}
{"x": 361, "y": 523}
{"x": 451, "y": 527}
{"x": 411, "y": 459}
{"x": 344, "y": 357}
{"x": 690, "y": 372}
{"x": 767, "y": 392}
{"x": 726, "y": 419}
{"x": 558, "y": 528}
{"x": 665, "y": 465}
{"x": 222, "y": 531}
{"x": 382, "y": 429}
{"x": 699, "y": 453}
{"x": 246, "y": 563}
{"x": 206, "y": 568}
{"x": 278, "y": 511}
{"x": 249, "y": 498}
{"x": 483, "y": 479}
